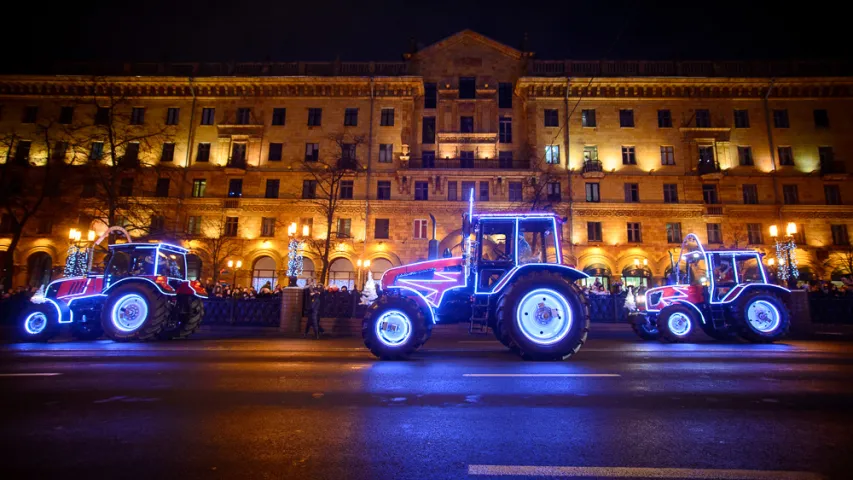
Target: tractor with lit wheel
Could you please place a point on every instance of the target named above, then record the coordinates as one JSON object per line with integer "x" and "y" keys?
{"x": 142, "y": 294}
{"x": 509, "y": 279}
{"x": 723, "y": 293}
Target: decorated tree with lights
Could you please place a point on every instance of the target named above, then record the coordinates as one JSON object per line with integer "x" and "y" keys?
{"x": 77, "y": 261}
{"x": 368, "y": 294}
{"x": 294, "y": 258}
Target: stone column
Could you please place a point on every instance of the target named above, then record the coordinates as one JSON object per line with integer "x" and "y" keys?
{"x": 291, "y": 310}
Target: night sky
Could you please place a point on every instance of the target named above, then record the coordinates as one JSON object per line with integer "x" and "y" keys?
{"x": 317, "y": 30}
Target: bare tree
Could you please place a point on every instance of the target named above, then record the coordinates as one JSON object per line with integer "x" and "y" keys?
{"x": 737, "y": 235}
{"x": 841, "y": 260}
{"x": 542, "y": 188}
{"x": 218, "y": 243}
{"x": 323, "y": 185}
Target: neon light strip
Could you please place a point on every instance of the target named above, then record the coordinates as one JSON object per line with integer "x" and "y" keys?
{"x": 58, "y": 310}
{"x": 426, "y": 302}
{"x": 140, "y": 278}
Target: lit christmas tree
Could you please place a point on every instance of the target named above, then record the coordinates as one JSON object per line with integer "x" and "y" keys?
{"x": 294, "y": 258}
{"x": 368, "y": 295}
{"x": 77, "y": 262}
{"x": 630, "y": 300}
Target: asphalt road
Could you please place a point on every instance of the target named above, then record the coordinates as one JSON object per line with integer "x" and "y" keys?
{"x": 462, "y": 408}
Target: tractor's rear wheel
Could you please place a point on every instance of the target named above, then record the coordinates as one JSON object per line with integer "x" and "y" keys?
{"x": 134, "y": 312}
{"x": 762, "y": 317}
{"x": 501, "y": 335}
{"x": 189, "y": 319}
{"x": 394, "y": 327}
{"x": 676, "y": 323}
{"x": 544, "y": 316}
{"x": 39, "y": 322}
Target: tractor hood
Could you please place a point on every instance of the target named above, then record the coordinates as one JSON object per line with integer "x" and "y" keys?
{"x": 420, "y": 271}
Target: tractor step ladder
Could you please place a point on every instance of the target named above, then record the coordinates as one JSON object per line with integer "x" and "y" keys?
{"x": 479, "y": 315}
{"x": 718, "y": 317}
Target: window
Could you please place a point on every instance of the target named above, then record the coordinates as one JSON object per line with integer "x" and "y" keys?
{"x": 312, "y": 152}
{"x": 504, "y": 95}
{"x": 309, "y": 189}
{"x": 235, "y": 187}
{"x": 345, "y": 190}
{"x": 307, "y": 222}
{"x": 231, "y": 225}
{"x": 30, "y": 114}
{"x": 706, "y": 156}
{"x": 484, "y": 191}
{"x": 97, "y": 151}
{"x": 267, "y": 227}
{"x": 428, "y": 130}
{"x": 208, "y": 115}
{"x": 553, "y": 191}
{"x": 825, "y": 156}
{"x": 626, "y": 118}
{"x": 467, "y": 190}
{"x": 66, "y": 115}
{"x": 168, "y": 153}
{"x": 593, "y": 192}
{"x": 467, "y": 87}
{"x": 753, "y": 234}
{"x": 430, "y": 95}
{"x": 588, "y": 118}
{"x": 515, "y": 192}
{"x": 203, "y": 154}
{"x": 664, "y": 119}
{"x": 428, "y": 158}
{"x": 744, "y": 156}
{"x": 162, "y": 187}
{"x": 451, "y": 191}
{"x": 839, "y": 235}
{"x": 383, "y": 190}
{"x": 551, "y": 118}
{"x": 821, "y": 118}
{"x": 786, "y": 156}
{"x": 703, "y": 118}
{"x": 279, "y": 116}
{"x": 351, "y": 117}
{"x": 157, "y": 224}
{"x": 741, "y": 119}
{"x": 315, "y": 117}
{"x": 709, "y": 194}
{"x": 832, "y": 194}
{"x": 634, "y": 232}
{"x": 632, "y": 192}
{"x": 44, "y": 226}
{"x": 673, "y": 232}
{"x": 466, "y": 124}
{"x": 590, "y": 153}
{"x": 102, "y": 116}
{"x": 60, "y": 151}
{"x": 750, "y": 194}
{"x": 194, "y": 225}
{"x": 199, "y": 186}
{"x": 271, "y": 190}
{"x": 420, "y": 232}
{"x": 421, "y": 191}
{"x": 238, "y": 155}
{"x": 593, "y": 231}
{"x": 780, "y": 119}
{"x": 387, "y": 117}
{"x": 505, "y": 159}
{"x": 466, "y": 159}
{"x": 386, "y": 152}
{"x": 629, "y": 156}
{"x": 670, "y": 193}
{"x": 131, "y": 153}
{"x": 552, "y": 154}
{"x": 667, "y": 155}
{"x": 137, "y": 115}
{"x": 348, "y": 153}
{"x": 22, "y": 152}
{"x": 275, "y": 152}
{"x": 243, "y": 116}
{"x": 125, "y": 187}
{"x": 790, "y": 194}
{"x": 381, "y": 228}
{"x": 344, "y": 227}
{"x": 172, "y": 115}
{"x": 715, "y": 234}
{"x": 505, "y": 130}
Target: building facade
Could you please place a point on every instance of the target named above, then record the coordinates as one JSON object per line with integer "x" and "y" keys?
{"x": 635, "y": 155}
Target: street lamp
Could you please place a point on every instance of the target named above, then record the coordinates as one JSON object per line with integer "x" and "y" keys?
{"x": 231, "y": 265}
{"x": 363, "y": 266}
{"x": 786, "y": 254}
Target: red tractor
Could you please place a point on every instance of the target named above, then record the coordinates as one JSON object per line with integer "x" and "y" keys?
{"x": 142, "y": 294}
{"x": 509, "y": 279}
{"x": 722, "y": 292}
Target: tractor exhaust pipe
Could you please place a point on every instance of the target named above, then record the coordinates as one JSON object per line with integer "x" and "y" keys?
{"x": 432, "y": 254}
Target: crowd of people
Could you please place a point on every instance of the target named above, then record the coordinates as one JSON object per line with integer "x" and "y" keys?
{"x": 224, "y": 291}
{"x": 829, "y": 289}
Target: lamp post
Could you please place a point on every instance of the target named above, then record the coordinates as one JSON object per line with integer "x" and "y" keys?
{"x": 786, "y": 254}
{"x": 295, "y": 256}
{"x": 362, "y": 267}
{"x": 235, "y": 266}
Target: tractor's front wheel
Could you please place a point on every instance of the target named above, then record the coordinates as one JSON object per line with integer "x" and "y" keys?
{"x": 394, "y": 327}
{"x": 676, "y": 323}
{"x": 762, "y": 317}
{"x": 38, "y": 323}
{"x": 544, "y": 317}
{"x": 134, "y": 312}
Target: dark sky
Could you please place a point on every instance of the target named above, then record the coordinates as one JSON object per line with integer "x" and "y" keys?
{"x": 156, "y": 30}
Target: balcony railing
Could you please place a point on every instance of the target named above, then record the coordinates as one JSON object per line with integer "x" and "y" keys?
{"x": 590, "y": 166}
{"x": 708, "y": 167}
{"x": 469, "y": 163}
{"x": 236, "y": 163}
{"x": 833, "y": 168}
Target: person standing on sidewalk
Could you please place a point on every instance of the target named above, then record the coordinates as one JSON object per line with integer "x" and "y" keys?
{"x": 314, "y": 310}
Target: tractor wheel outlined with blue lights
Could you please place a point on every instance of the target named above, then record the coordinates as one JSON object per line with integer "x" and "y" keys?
{"x": 762, "y": 317}
{"x": 134, "y": 312}
{"x": 544, "y": 317}
{"x": 38, "y": 323}
{"x": 676, "y": 323}
{"x": 394, "y": 327}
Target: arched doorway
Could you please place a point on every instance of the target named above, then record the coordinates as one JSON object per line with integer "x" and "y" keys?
{"x": 341, "y": 273}
{"x": 378, "y": 266}
{"x": 264, "y": 272}
{"x": 636, "y": 276}
{"x": 308, "y": 275}
{"x": 193, "y": 267}
{"x": 598, "y": 272}
{"x": 39, "y": 269}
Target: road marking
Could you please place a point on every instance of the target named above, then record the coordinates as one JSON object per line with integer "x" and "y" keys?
{"x": 623, "y": 472}
{"x": 29, "y": 374}
{"x": 541, "y": 375}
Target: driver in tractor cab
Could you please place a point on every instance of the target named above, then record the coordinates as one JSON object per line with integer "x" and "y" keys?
{"x": 143, "y": 266}
{"x": 724, "y": 277}
{"x": 525, "y": 251}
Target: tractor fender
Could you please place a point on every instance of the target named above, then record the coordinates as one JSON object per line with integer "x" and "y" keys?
{"x": 416, "y": 297}
{"x": 141, "y": 281}
{"x": 570, "y": 273}
{"x": 691, "y": 306}
{"x": 768, "y": 287}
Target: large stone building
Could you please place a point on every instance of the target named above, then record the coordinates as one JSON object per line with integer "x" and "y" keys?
{"x": 634, "y": 154}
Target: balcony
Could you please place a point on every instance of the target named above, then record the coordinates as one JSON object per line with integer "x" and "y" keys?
{"x": 709, "y": 170}
{"x": 592, "y": 169}
{"x": 347, "y": 163}
{"x": 236, "y": 163}
{"x": 834, "y": 170}
{"x": 231, "y": 203}
{"x": 467, "y": 138}
{"x": 469, "y": 163}
{"x": 714, "y": 210}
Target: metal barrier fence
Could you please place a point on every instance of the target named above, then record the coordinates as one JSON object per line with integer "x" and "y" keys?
{"x": 607, "y": 308}
{"x": 262, "y": 312}
{"x": 831, "y": 309}
{"x": 335, "y": 305}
